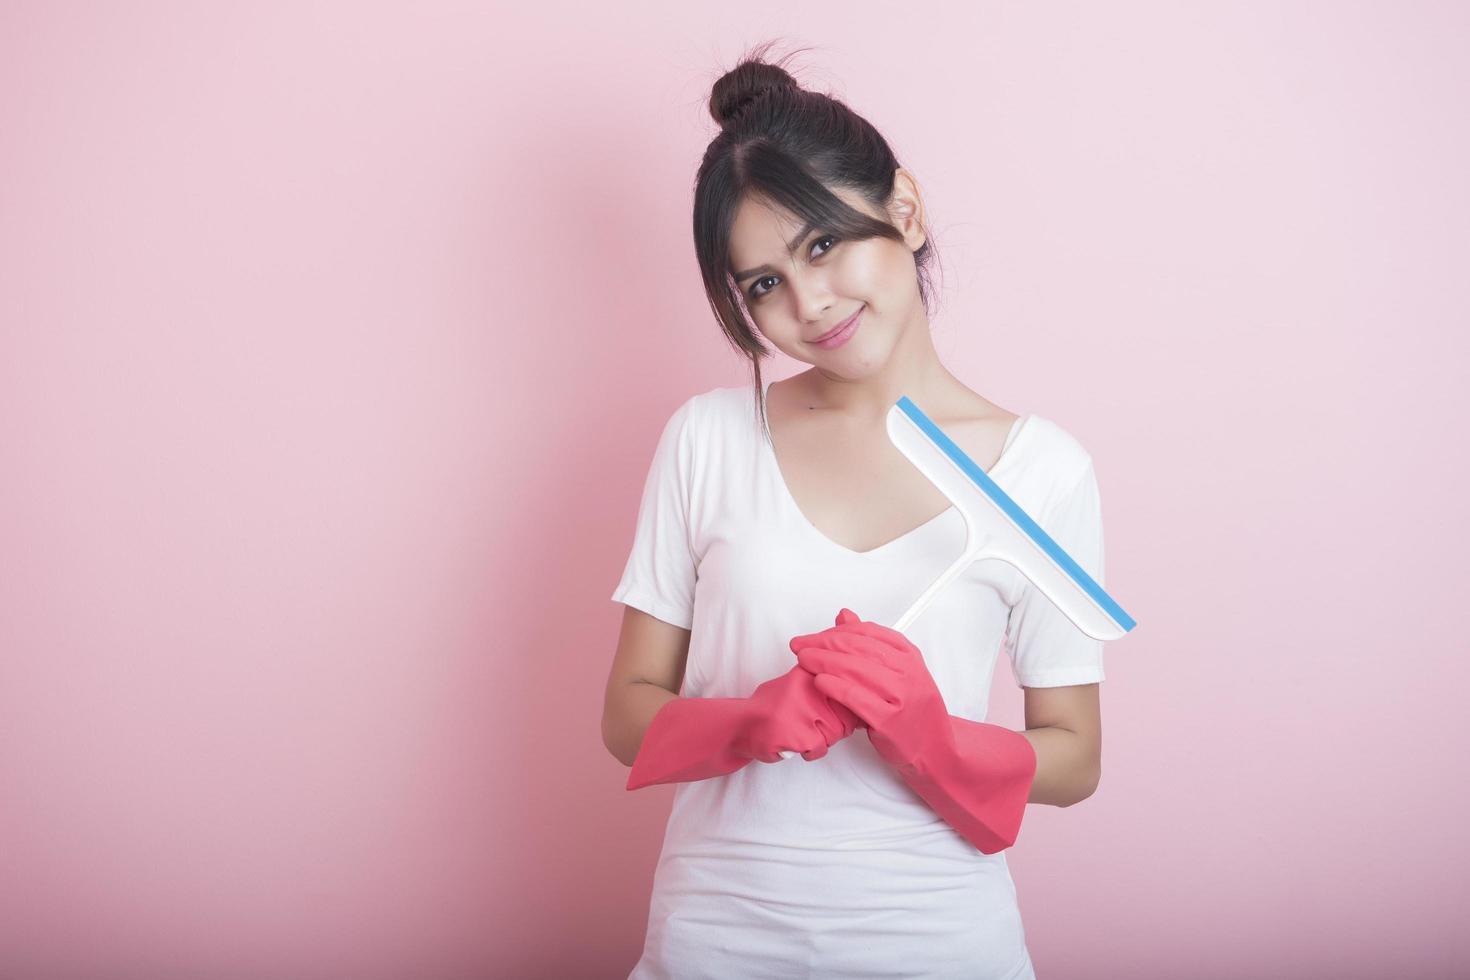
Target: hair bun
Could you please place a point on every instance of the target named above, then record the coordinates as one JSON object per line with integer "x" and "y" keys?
{"x": 743, "y": 84}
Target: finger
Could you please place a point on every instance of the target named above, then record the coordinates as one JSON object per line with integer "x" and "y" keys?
{"x": 845, "y": 639}
{"x": 815, "y": 753}
{"x": 847, "y": 722}
{"x": 850, "y": 721}
{"x": 805, "y": 638}
{"x": 874, "y": 680}
{"x": 844, "y": 617}
{"x": 878, "y": 631}
{"x": 865, "y": 647}
{"x": 864, "y": 704}
{"x": 879, "y": 678}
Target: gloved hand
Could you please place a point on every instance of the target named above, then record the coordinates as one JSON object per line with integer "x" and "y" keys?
{"x": 696, "y": 738}
{"x": 788, "y": 712}
{"x": 975, "y": 775}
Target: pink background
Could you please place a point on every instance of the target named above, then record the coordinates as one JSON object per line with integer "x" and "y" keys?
{"x": 335, "y": 340}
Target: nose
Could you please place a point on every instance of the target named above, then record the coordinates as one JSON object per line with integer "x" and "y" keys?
{"x": 813, "y": 298}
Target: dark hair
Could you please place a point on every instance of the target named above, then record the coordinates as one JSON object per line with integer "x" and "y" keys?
{"x": 787, "y": 146}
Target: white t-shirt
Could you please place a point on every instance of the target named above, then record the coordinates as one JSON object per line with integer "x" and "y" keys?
{"x": 835, "y": 868}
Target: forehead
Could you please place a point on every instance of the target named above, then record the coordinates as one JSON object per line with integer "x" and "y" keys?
{"x": 760, "y": 232}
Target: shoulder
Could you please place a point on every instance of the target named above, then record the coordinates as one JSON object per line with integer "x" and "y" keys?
{"x": 720, "y": 405}
{"x": 1060, "y": 458}
{"x": 694, "y": 409}
{"x": 699, "y": 416}
{"x": 713, "y": 400}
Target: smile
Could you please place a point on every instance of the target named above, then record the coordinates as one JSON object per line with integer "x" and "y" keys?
{"x": 840, "y": 334}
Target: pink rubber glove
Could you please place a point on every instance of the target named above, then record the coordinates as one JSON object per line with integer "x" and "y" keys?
{"x": 975, "y": 775}
{"x": 696, "y": 738}
{"x": 790, "y": 714}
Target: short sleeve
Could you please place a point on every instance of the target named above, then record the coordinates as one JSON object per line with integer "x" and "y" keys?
{"x": 659, "y": 575}
{"x": 1046, "y": 648}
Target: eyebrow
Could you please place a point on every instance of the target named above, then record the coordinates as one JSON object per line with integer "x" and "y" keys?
{"x": 795, "y": 243}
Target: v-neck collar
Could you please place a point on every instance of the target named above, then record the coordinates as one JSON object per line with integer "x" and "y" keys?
{"x": 768, "y": 451}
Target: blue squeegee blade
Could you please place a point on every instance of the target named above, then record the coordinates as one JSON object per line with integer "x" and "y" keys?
{"x": 1016, "y": 514}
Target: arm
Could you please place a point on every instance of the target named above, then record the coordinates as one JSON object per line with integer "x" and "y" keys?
{"x": 1064, "y": 728}
{"x": 659, "y": 735}
{"x": 647, "y": 671}
{"x": 629, "y": 712}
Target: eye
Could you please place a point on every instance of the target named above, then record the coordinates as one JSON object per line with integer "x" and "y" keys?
{"x": 755, "y": 285}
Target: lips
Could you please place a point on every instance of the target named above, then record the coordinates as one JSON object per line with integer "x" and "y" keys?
{"x": 837, "y": 329}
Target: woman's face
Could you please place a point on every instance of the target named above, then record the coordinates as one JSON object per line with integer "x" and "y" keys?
{"x": 796, "y": 296}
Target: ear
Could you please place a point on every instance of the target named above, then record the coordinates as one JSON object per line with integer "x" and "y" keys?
{"x": 906, "y": 209}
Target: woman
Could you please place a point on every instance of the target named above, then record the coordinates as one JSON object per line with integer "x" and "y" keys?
{"x": 769, "y": 519}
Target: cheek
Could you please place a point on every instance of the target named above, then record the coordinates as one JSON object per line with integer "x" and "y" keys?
{"x": 870, "y": 270}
